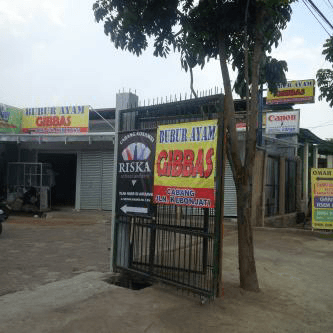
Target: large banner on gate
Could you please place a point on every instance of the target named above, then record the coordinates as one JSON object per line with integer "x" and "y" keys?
{"x": 322, "y": 198}
{"x": 185, "y": 163}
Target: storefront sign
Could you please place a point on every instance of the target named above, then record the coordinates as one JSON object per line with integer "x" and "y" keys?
{"x": 322, "y": 198}
{"x": 285, "y": 122}
{"x": 185, "y": 164}
{"x": 301, "y": 91}
{"x": 56, "y": 120}
{"x": 10, "y": 119}
{"x": 135, "y": 172}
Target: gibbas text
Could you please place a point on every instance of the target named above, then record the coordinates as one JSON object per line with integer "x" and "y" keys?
{"x": 176, "y": 163}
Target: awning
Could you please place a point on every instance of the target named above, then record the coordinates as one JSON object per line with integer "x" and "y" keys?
{"x": 47, "y": 138}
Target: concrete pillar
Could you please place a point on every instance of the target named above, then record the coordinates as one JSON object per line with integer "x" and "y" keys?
{"x": 282, "y": 186}
{"x": 330, "y": 161}
{"x": 306, "y": 174}
{"x": 315, "y": 156}
{"x": 123, "y": 101}
{"x": 299, "y": 205}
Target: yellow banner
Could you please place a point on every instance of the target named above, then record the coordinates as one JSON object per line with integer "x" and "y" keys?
{"x": 56, "y": 120}
{"x": 322, "y": 198}
{"x": 299, "y": 92}
{"x": 185, "y": 161}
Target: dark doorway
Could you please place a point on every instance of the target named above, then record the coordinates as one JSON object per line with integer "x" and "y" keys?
{"x": 64, "y": 167}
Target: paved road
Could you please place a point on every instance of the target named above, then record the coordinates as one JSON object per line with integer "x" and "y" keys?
{"x": 294, "y": 269}
{"x": 33, "y": 252}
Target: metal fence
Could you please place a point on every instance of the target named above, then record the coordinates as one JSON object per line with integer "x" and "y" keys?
{"x": 272, "y": 186}
{"x": 291, "y": 175}
{"x": 179, "y": 245}
{"x": 174, "y": 247}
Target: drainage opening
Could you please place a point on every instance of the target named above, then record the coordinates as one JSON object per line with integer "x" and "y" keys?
{"x": 129, "y": 281}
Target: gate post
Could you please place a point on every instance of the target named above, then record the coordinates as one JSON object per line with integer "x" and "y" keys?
{"x": 123, "y": 101}
{"x": 219, "y": 200}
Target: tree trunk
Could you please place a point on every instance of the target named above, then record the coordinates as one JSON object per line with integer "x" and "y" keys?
{"x": 246, "y": 261}
{"x": 242, "y": 174}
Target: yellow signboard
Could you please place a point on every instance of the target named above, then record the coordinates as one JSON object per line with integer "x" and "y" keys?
{"x": 185, "y": 162}
{"x": 322, "y": 198}
{"x": 56, "y": 120}
{"x": 299, "y": 92}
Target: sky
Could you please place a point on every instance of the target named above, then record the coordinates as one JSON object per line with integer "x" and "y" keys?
{"x": 53, "y": 53}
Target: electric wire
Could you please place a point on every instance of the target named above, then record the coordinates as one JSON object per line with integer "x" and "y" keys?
{"x": 329, "y": 1}
{"x": 320, "y": 13}
{"x": 328, "y": 4}
{"x": 329, "y": 124}
{"x": 315, "y": 17}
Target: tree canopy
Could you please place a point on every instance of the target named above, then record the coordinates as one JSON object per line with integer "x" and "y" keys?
{"x": 193, "y": 28}
{"x": 325, "y": 76}
{"x": 236, "y": 32}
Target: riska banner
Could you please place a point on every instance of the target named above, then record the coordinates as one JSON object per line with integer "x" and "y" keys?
{"x": 135, "y": 172}
{"x": 56, "y": 120}
{"x": 322, "y": 198}
{"x": 185, "y": 163}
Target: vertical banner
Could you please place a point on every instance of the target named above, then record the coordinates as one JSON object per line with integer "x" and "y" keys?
{"x": 135, "y": 172}
{"x": 185, "y": 162}
{"x": 322, "y": 198}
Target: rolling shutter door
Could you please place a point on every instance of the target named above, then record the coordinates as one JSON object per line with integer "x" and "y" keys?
{"x": 107, "y": 179}
{"x": 230, "y": 198}
{"x": 91, "y": 174}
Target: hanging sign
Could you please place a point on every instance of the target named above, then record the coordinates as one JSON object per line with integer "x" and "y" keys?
{"x": 286, "y": 122}
{"x": 322, "y": 198}
{"x": 299, "y": 92}
{"x": 56, "y": 120}
{"x": 185, "y": 163}
{"x": 135, "y": 172}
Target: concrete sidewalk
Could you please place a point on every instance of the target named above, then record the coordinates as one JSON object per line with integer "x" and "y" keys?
{"x": 294, "y": 271}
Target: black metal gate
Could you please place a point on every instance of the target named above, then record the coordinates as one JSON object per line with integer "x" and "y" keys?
{"x": 179, "y": 245}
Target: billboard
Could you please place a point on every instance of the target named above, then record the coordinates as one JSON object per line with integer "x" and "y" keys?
{"x": 56, "y": 120}
{"x": 185, "y": 164}
{"x": 284, "y": 122}
{"x": 322, "y": 198}
{"x": 299, "y": 92}
{"x": 10, "y": 119}
{"x": 135, "y": 172}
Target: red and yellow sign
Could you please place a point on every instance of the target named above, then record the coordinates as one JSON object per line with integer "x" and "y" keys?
{"x": 56, "y": 120}
{"x": 185, "y": 163}
{"x": 299, "y": 92}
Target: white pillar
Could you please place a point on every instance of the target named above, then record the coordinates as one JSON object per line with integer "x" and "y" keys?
{"x": 330, "y": 161}
{"x": 306, "y": 173}
{"x": 315, "y": 156}
{"x": 123, "y": 101}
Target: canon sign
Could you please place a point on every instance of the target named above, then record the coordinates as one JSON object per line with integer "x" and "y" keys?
{"x": 287, "y": 117}
{"x": 285, "y": 122}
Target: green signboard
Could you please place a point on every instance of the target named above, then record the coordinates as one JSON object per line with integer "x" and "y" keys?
{"x": 10, "y": 119}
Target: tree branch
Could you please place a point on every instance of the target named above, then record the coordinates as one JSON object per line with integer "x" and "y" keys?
{"x": 229, "y": 110}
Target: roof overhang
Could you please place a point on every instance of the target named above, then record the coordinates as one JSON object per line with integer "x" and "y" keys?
{"x": 49, "y": 138}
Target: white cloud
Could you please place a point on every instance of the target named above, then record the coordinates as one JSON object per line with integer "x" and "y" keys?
{"x": 17, "y": 15}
